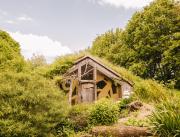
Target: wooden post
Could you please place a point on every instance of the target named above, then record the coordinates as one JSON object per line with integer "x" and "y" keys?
{"x": 95, "y": 87}
{"x": 79, "y": 84}
{"x": 70, "y": 92}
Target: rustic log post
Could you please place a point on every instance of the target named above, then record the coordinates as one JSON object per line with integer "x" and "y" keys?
{"x": 95, "y": 87}
{"x": 79, "y": 84}
{"x": 70, "y": 91}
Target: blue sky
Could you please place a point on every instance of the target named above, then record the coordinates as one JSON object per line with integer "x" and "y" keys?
{"x": 57, "y": 27}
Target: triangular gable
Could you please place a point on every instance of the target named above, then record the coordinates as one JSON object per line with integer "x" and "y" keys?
{"x": 99, "y": 66}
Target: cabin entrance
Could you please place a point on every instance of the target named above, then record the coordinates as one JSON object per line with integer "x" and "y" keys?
{"x": 87, "y": 92}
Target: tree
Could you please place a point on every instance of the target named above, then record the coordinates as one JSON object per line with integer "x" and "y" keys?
{"x": 37, "y": 61}
{"x": 153, "y": 34}
{"x": 102, "y": 44}
{"x": 150, "y": 44}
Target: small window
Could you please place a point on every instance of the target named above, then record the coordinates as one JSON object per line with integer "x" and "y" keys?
{"x": 109, "y": 93}
{"x": 114, "y": 88}
{"x": 101, "y": 84}
{"x": 87, "y": 72}
{"x": 68, "y": 82}
{"x": 74, "y": 92}
{"x": 98, "y": 92}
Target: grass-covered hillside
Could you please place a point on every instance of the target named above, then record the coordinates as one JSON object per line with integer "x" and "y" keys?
{"x": 32, "y": 104}
{"x": 146, "y": 52}
{"x": 148, "y": 91}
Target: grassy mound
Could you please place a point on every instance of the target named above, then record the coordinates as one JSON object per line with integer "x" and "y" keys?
{"x": 148, "y": 91}
{"x": 30, "y": 105}
{"x": 145, "y": 90}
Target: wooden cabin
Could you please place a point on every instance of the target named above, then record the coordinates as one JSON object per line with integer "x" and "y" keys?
{"x": 89, "y": 80}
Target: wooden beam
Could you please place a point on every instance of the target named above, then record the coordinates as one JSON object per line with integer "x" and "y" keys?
{"x": 87, "y": 72}
{"x": 87, "y": 81}
{"x": 95, "y": 87}
{"x": 70, "y": 91}
{"x": 79, "y": 84}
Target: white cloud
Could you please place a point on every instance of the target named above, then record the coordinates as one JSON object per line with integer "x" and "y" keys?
{"x": 10, "y": 22}
{"x": 2, "y": 12}
{"x": 14, "y": 21}
{"x": 124, "y": 3}
{"x": 24, "y": 18}
{"x": 41, "y": 45}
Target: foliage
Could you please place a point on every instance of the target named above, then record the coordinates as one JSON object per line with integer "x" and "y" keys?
{"x": 10, "y": 57}
{"x": 153, "y": 39}
{"x": 37, "y": 61}
{"x": 30, "y": 105}
{"x": 78, "y": 115}
{"x": 151, "y": 91}
{"x": 64, "y": 128}
{"x": 166, "y": 119}
{"x": 102, "y": 44}
{"x": 137, "y": 122}
{"x": 122, "y": 103}
{"x": 104, "y": 112}
{"x": 62, "y": 64}
{"x": 150, "y": 44}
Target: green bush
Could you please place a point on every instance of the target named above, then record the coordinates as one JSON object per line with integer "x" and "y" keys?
{"x": 10, "y": 57}
{"x": 137, "y": 122}
{"x": 64, "y": 128}
{"x": 104, "y": 112}
{"x": 78, "y": 115}
{"x": 166, "y": 119}
{"x": 30, "y": 105}
{"x": 122, "y": 104}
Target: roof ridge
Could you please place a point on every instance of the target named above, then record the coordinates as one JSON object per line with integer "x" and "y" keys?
{"x": 103, "y": 65}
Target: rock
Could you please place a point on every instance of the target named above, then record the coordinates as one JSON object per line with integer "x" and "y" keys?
{"x": 135, "y": 105}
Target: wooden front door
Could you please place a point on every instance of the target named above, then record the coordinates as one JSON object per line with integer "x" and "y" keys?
{"x": 87, "y": 92}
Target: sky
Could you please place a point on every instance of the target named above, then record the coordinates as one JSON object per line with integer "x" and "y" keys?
{"x": 57, "y": 27}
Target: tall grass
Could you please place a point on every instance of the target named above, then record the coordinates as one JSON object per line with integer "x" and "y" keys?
{"x": 165, "y": 120}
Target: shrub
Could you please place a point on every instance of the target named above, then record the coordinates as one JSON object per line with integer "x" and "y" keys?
{"x": 122, "y": 104}
{"x": 64, "y": 128}
{"x": 104, "y": 112}
{"x": 166, "y": 119}
{"x": 78, "y": 116}
{"x": 137, "y": 122}
{"x": 30, "y": 105}
{"x": 10, "y": 57}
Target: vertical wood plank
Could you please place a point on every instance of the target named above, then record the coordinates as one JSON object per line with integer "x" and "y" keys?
{"x": 70, "y": 91}
{"x": 95, "y": 78}
{"x": 79, "y": 84}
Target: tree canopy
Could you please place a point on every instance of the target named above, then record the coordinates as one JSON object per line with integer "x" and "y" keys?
{"x": 150, "y": 44}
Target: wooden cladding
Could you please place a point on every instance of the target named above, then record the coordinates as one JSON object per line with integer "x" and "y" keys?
{"x": 89, "y": 80}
